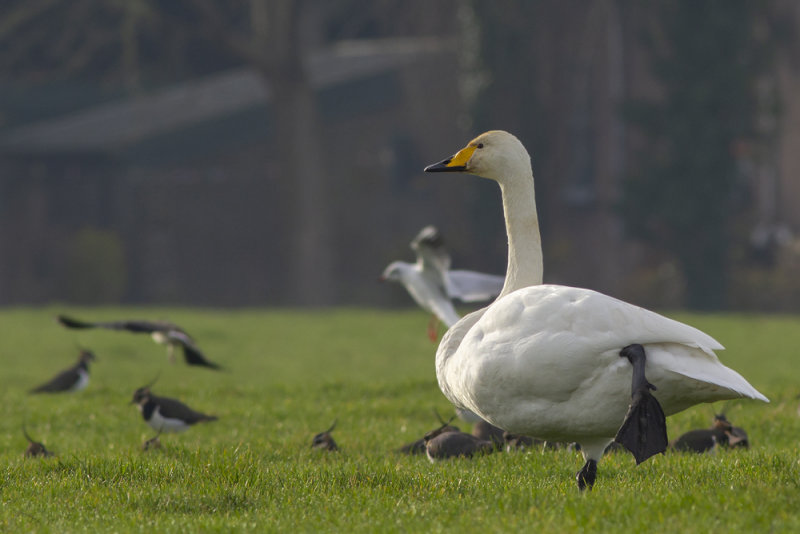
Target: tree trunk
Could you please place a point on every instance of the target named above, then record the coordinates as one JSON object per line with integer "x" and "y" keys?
{"x": 296, "y": 135}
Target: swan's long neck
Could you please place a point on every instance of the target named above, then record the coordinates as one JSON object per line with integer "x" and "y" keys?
{"x": 525, "y": 265}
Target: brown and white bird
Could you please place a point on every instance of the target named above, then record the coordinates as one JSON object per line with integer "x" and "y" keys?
{"x": 418, "y": 446}
{"x": 162, "y": 332}
{"x": 76, "y": 378}
{"x": 324, "y": 440}
{"x": 722, "y": 433}
{"x": 35, "y": 448}
{"x": 446, "y": 445}
{"x": 736, "y": 435}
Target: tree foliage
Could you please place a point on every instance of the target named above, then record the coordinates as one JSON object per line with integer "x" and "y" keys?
{"x": 707, "y": 58}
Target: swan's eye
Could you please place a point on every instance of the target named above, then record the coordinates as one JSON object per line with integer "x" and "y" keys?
{"x": 480, "y": 145}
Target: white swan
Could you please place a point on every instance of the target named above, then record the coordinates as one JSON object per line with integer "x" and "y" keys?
{"x": 545, "y": 360}
{"x": 433, "y": 285}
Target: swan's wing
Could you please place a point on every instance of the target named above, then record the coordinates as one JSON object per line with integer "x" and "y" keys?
{"x": 470, "y": 286}
{"x": 595, "y": 320}
{"x": 579, "y": 325}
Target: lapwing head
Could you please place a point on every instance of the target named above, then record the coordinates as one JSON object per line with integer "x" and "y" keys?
{"x": 141, "y": 395}
{"x": 35, "y": 448}
{"x": 721, "y": 423}
{"x": 324, "y": 440}
{"x": 734, "y": 436}
{"x": 444, "y": 428}
{"x": 87, "y": 356}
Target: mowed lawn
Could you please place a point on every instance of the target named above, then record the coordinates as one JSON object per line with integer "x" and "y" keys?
{"x": 290, "y": 374}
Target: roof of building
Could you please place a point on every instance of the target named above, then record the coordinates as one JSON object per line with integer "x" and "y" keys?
{"x": 119, "y": 124}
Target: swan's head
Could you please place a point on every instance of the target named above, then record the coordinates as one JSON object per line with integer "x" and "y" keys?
{"x": 496, "y": 154}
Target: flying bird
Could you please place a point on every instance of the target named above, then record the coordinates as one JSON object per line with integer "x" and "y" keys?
{"x": 162, "y": 332}
{"x": 563, "y": 363}
{"x": 433, "y": 285}
{"x": 76, "y": 378}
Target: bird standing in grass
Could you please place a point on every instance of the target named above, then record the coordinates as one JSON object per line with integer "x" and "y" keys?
{"x": 567, "y": 364}
{"x": 162, "y": 332}
{"x": 35, "y": 448}
{"x": 721, "y": 433}
{"x": 76, "y": 378}
{"x": 443, "y": 444}
{"x": 164, "y": 414}
{"x": 737, "y": 436}
{"x": 324, "y": 440}
{"x": 418, "y": 446}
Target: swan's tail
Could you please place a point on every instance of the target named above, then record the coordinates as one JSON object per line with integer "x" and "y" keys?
{"x": 697, "y": 365}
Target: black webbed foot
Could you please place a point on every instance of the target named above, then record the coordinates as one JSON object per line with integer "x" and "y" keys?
{"x": 587, "y": 475}
{"x": 644, "y": 430}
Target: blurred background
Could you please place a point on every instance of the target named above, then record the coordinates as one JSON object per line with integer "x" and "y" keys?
{"x": 270, "y": 152}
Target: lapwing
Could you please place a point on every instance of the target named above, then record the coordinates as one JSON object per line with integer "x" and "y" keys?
{"x": 76, "y": 378}
{"x": 35, "y": 448}
{"x": 324, "y": 440}
{"x": 418, "y": 446}
{"x": 721, "y": 433}
{"x": 700, "y": 440}
{"x": 433, "y": 285}
{"x": 454, "y": 444}
{"x": 736, "y": 436}
{"x": 162, "y": 332}
{"x": 164, "y": 414}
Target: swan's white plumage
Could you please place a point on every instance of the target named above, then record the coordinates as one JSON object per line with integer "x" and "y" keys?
{"x": 544, "y": 360}
{"x": 547, "y": 353}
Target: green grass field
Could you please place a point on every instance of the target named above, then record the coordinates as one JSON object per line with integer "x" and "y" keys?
{"x": 291, "y": 374}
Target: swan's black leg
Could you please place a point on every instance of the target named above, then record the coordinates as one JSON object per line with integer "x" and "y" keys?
{"x": 586, "y": 475}
{"x": 644, "y": 430}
